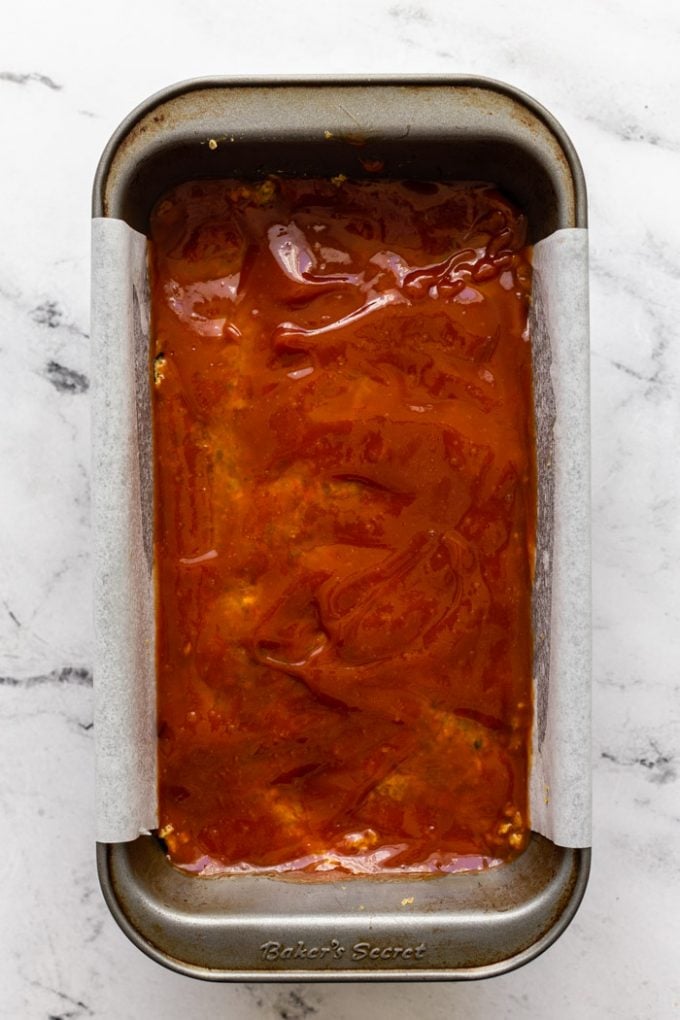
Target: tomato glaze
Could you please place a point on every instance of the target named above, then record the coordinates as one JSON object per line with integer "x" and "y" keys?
{"x": 344, "y": 522}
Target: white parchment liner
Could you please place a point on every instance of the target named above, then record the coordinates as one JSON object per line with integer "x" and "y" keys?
{"x": 122, "y": 519}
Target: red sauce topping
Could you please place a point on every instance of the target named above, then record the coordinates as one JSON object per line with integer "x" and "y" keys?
{"x": 344, "y": 524}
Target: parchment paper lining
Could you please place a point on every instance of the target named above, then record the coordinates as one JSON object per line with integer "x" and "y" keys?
{"x": 125, "y": 710}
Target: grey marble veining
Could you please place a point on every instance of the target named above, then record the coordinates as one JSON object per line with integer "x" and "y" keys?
{"x": 68, "y": 74}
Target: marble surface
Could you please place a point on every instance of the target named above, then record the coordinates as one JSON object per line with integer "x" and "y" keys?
{"x": 68, "y": 74}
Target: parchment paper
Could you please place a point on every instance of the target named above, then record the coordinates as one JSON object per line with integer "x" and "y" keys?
{"x": 122, "y": 520}
{"x": 560, "y": 780}
{"x": 560, "y": 777}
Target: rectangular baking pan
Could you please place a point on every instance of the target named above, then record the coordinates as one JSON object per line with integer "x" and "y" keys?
{"x": 258, "y": 928}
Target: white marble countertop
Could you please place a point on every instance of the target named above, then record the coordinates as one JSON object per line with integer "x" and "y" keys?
{"x": 68, "y": 74}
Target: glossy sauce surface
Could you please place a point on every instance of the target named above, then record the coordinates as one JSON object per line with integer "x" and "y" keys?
{"x": 344, "y": 524}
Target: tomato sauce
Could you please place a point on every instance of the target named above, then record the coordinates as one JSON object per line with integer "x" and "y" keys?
{"x": 344, "y": 521}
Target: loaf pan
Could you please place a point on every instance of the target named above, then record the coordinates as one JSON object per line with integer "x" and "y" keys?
{"x": 468, "y": 925}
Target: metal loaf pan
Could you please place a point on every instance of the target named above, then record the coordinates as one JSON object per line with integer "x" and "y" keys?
{"x": 258, "y": 928}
